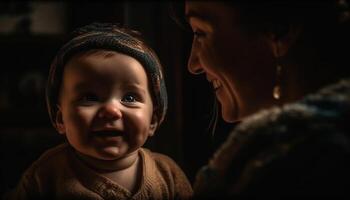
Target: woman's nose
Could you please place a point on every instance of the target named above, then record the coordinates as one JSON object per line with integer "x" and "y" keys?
{"x": 110, "y": 111}
{"x": 193, "y": 64}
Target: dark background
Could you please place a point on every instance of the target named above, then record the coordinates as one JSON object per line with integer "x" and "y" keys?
{"x": 26, "y": 53}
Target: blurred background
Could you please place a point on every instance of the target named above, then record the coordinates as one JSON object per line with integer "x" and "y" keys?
{"x": 31, "y": 32}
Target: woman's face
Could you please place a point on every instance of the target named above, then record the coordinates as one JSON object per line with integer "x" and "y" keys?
{"x": 239, "y": 65}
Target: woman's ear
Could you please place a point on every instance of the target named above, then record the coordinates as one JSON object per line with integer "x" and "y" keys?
{"x": 59, "y": 121}
{"x": 282, "y": 44}
{"x": 153, "y": 125}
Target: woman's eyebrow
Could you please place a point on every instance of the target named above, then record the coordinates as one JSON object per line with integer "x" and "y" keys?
{"x": 201, "y": 16}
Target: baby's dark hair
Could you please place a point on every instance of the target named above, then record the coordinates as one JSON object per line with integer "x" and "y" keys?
{"x": 108, "y": 36}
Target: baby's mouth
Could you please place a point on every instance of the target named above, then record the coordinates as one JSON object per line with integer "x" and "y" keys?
{"x": 107, "y": 133}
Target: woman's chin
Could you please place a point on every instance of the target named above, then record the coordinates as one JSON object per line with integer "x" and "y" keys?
{"x": 228, "y": 115}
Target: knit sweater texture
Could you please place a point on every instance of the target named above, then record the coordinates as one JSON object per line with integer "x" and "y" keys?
{"x": 60, "y": 174}
{"x": 300, "y": 148}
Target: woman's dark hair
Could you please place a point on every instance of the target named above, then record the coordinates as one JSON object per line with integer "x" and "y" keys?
{"x": 325, "y": 33}
{"x": 276, "y": 15}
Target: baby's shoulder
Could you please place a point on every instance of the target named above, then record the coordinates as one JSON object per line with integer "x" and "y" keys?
{"x": 53, "y": 153}
{"x": 50, "y": 159}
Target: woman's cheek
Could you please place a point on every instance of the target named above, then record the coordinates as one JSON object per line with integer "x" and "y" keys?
{"x": 210, "y": 56}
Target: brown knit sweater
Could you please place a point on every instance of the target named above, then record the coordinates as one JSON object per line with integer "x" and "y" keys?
{"x": 59, "y": 174}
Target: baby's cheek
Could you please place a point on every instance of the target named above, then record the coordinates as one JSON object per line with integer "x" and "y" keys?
{"x": 140, "y": 118}
{"x": 84, "y": 116}
{"x": 138, "y": 123}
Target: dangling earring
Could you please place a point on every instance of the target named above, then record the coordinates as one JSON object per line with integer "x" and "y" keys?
{"x": 276, "y": 92}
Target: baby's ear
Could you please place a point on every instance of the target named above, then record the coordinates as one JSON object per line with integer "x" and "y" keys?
{"x": 153, "y": 126}
{"x": 59, "y": 121}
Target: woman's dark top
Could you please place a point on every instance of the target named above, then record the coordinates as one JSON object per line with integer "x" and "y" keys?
{"x": 301, "y": 148}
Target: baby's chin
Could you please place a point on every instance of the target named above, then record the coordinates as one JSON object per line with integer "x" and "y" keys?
{"x": 104, "y": 154}
{"x": 110, "y": 153}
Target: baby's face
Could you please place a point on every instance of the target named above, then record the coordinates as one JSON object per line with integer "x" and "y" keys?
{"x": 105, "y": 105}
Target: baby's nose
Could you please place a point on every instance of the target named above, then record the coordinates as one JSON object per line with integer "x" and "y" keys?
{"x": 110, "y": 111}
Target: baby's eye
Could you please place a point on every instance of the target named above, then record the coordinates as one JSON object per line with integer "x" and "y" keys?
{"x": 89, "y": 98}
{"x": 129, "y": 98}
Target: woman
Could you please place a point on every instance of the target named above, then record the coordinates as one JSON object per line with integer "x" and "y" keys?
{"x": 270, "y": 65}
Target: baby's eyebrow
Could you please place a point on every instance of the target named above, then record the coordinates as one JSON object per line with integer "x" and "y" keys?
{"x": 82, "y": 86}
{"x": 137, "y": 87}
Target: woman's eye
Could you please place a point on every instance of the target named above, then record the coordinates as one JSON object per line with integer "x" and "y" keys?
{"x": 198, "y": 34}
{"x": 129, "y": 98}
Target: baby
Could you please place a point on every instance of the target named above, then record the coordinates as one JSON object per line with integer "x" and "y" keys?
{"x": 106, "y": 94}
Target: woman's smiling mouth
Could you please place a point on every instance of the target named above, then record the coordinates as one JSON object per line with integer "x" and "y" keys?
{"x": 216, "y": 84}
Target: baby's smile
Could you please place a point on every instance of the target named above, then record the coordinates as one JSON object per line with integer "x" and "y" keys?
{"x": 107, "y": 133}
